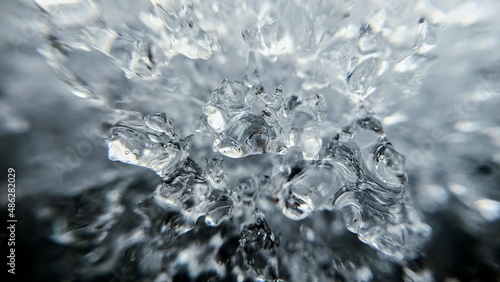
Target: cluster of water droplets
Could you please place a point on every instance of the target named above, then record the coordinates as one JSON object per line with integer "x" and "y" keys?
{"x": 246, "y": 120}
{"x": 359, "y": 173}
{"x": 210, "y": 220}
{"x": 201, "y": 222}
{"x": 139, "y": 44}
{"x": 150, "y": 142}
{"x": 362, "y": 175}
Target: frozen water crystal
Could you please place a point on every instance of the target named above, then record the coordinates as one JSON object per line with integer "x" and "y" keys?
{"x": 189, "y": 39}
{"x": 242, "y": 128}
{"x": 369, "y": 41}
{"x": 360, "y": 174}
{"x": 364, "y": 177}
{"x": 139, "y": 46}
{"x": 298, "y": 143}
{"x": 150, "y": 143}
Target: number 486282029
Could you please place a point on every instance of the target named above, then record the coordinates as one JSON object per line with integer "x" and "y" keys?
{"x": 11, "y": 191}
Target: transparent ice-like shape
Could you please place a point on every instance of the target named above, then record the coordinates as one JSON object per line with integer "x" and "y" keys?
{"x": 150, "y": 143}
{"x": 360, "y": 174}
{"x": 242, "y": 128}
{"x": 189, "y": 39}
{"x": 281, "y": 182}
{"x": 140, "y": 45}
{"x": 363, "y": 176}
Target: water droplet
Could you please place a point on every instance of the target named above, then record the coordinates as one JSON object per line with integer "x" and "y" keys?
{"x": 296, "y": 207}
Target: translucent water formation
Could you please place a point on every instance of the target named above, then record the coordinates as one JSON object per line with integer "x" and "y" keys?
{"x": 248, "y": 121}
{"x": 150, "y": 142}
{"x": 300, "y": 183}
{"x": 139, "y": 45}
{"x": 188, "y": 37}
{"x": 360, "y": 174}
{"x": 364, "y": 177}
